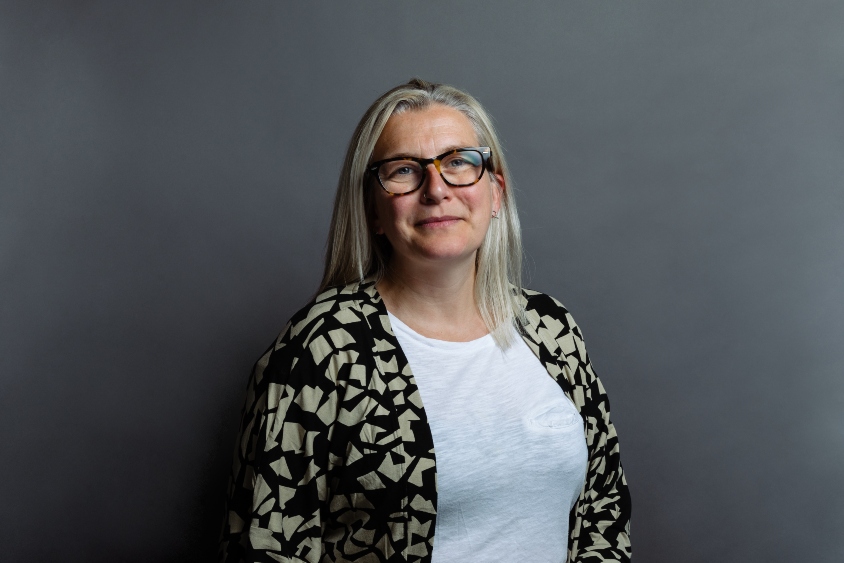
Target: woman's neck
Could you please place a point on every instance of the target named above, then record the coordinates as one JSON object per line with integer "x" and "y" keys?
{"x": 435, "y": 302}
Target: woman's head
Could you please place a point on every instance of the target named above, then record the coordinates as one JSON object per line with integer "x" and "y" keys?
{"x": 429, "y": 118}
{"x": 436, "y": 200}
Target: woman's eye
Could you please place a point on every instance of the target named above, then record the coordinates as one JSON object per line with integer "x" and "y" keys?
{"x": 399, "y": 170}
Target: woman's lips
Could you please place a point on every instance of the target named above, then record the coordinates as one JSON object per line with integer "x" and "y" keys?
{"x": 438, "y": 221}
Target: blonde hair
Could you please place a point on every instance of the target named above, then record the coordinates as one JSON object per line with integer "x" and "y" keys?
{"x": 354, "y": 253}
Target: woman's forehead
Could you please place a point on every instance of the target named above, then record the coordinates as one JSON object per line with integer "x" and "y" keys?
{"x": 425, "y": 133}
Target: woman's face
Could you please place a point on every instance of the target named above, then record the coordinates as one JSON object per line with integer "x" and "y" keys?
{"x": 438, "y": 223}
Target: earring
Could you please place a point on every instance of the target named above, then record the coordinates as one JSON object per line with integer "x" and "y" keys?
{"x": 495, "y": 214}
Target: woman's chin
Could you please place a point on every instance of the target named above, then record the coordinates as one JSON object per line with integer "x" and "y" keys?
{"x": 447, "y": 255}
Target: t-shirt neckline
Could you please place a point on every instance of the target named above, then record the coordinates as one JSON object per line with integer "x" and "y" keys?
{"x": 471, "y": 345}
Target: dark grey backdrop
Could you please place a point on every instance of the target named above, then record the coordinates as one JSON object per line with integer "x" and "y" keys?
{"x": 166, "y": 175}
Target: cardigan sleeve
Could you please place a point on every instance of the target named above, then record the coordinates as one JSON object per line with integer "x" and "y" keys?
{"x": 601, "y": 517}
{"x": 276, "y": 505}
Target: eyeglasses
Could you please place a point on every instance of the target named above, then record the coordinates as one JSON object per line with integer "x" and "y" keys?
{"x": 406, "y": 174}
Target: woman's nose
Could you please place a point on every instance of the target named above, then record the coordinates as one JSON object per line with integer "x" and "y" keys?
{"x": 434, "y": 188}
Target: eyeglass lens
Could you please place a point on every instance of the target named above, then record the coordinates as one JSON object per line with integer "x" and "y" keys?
{"x": 462, "y": 168}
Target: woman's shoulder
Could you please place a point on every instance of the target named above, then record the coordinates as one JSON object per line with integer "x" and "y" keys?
{"x": 546, "y": 313}
{"x": 539, "y": 305}
{"x": 541, "y": 301}
{"x": 331, "y": 316}
{"x": 331, "y": 325}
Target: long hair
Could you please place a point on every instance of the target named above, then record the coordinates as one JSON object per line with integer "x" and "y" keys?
{"x": 354, "y": 253}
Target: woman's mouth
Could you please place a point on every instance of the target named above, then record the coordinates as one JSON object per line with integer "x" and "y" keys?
{"x": 438, "y": 221}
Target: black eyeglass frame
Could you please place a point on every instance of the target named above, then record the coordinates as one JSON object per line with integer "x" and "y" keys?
{"x": 485, "y": 153}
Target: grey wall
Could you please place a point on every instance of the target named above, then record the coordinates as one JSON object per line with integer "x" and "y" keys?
{"x": 166, "y": 175}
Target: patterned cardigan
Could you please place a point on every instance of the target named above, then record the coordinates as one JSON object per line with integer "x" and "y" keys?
{"x": 335, "y": 459}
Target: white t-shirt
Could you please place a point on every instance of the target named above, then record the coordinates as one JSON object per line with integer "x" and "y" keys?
{"x": 510, "y": 449}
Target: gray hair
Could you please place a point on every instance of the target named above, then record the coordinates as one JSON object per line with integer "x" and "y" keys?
{"x": 354, "y": 253}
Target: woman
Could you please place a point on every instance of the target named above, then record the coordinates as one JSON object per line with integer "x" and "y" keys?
{"x": 420, "y": 304}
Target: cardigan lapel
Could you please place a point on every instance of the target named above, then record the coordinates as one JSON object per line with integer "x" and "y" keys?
{"x": 417, "y": 443}
{"x": 540, "y": 339}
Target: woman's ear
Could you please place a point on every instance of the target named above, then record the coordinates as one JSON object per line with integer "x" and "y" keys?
{"x": 498, "y": 187}
{"x": 499, "y": 179}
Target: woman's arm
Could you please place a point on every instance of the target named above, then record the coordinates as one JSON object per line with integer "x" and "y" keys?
{"x": 276, "y": 500}
{"x": 602, "y": 518}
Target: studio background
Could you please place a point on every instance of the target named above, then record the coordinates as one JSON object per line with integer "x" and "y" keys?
{"x": 166, "y": 178}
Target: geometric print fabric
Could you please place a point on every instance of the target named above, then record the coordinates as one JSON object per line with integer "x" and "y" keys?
{"x": 335, "y": 460}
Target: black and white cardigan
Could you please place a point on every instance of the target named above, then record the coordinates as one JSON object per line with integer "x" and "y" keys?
{"x": 335, "y": 459}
